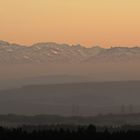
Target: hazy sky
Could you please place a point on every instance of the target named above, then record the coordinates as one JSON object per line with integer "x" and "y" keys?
{"x": 88, "y": 22}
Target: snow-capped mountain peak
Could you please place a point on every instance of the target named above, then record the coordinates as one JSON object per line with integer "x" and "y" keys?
{"x": 54, "y": 53}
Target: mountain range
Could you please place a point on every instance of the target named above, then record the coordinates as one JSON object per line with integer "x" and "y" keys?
{"x": 51, "y": 52}
{"x": 85, "y": 98}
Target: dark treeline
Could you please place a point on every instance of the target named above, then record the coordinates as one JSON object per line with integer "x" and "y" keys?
{"x": 62, "y": 132}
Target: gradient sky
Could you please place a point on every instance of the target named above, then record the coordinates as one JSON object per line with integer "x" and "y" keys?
{"x": 87, "y": 22}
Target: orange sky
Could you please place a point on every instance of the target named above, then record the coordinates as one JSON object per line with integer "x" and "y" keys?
{"x": 88, "y": 22}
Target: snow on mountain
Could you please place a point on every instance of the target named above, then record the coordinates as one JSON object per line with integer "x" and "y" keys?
{"x": 117, "y": 54}
{"x": 53, "y": 52}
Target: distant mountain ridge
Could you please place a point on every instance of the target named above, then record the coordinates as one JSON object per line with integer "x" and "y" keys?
{"x": 84, "y": 99}
{"x": 64, "y": 53}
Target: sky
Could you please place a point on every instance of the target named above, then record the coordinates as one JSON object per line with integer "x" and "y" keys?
{"x": 88, "y": 22}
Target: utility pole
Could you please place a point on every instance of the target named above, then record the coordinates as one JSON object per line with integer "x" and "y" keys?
{"x": 75, "y": 110}
{"x": 131, "y": 109}
{"x": 123, "y": 111}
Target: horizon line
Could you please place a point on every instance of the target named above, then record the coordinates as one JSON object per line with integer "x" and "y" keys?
{"x": 69, "y": 44}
